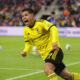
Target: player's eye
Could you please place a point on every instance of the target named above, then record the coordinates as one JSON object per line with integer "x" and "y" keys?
{"x": 26, "y": 15}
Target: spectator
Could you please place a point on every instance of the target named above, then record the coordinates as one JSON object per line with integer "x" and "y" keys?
{"x": 10, "y": 10}
{"x": 52, "y": 18}
{"x": 70, "y": 12}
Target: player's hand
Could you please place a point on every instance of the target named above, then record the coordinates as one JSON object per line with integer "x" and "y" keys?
{"x": 24, "y": 54}
{"x": 55, "y": 46}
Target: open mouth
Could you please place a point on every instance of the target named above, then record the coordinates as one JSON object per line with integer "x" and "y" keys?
{"x": 26, "y": 21}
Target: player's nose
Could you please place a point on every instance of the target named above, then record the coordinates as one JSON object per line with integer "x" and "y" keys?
{"x": 24, "y": 18}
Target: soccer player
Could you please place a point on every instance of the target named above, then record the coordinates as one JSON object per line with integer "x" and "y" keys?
{"x": 44, "y": 35}
{"x": 52, "y": 18}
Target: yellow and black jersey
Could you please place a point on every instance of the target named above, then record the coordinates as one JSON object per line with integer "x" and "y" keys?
{"x": 43, "y": 34}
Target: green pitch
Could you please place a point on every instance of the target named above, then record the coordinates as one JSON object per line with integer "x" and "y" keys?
{"x": 14, "y": 67}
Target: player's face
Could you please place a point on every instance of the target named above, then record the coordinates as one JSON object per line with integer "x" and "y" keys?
{"x": 52, "y": 15}
{"x": 28, "y": 18}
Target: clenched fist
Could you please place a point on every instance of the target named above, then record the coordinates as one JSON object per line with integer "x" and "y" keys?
{"x": 55, "y": 46}
{"x": 24, "y": 54}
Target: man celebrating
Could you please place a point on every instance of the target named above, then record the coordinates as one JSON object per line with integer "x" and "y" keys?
{"x": 44, "y": 35}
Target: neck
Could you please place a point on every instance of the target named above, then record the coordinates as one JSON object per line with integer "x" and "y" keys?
{"x": 32, "y": 24}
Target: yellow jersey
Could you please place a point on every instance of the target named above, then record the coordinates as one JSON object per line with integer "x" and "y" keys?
{"x": 43, "y": 34}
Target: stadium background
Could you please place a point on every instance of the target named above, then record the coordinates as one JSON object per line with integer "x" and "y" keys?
{"x": 67, "y": 16}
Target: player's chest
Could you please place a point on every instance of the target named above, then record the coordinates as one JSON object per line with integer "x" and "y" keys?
{"x": 34, "y": 33}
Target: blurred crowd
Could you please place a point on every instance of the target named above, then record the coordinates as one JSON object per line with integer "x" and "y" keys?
{"x": 10, "y": 10}
{"x": 70, "y": 13}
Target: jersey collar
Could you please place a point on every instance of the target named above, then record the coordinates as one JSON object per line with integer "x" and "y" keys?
{"x": 33, "y": 24}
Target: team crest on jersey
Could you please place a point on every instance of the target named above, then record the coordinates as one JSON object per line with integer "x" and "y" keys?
{"x": 47, "y": 24}
{"x": 37, "y": 30}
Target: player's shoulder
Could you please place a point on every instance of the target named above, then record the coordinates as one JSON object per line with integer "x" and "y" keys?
{"x": 25, "y": 28}
{"x": 41, "y": 20}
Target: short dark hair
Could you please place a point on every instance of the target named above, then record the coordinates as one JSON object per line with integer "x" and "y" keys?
{"x": 53, "y": 12}
{"x": 28, "y": 9}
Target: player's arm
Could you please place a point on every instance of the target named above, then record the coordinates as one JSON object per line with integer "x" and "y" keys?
{"x": 26, "y": 49}
{"x": 28, "y": 45}
{"x": 55, "y": 38}
{"x": 53, "y": 32}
